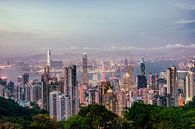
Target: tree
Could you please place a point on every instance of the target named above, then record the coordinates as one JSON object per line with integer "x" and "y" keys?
{"x": 143, "y": 116}
{"x": 77, "y": 122}
{"x": 98, "y": 116}
{"x": 92, "y": 117}
{"x": 139, "y": 115}
{"x": 9, "y": 125}
{"x": 43, "y": 121}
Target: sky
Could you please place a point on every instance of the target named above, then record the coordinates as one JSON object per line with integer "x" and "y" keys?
{"x": 33, "y": 26}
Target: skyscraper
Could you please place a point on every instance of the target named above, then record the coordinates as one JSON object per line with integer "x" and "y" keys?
{"x": 142, "y": 67}
{"x": 103, "y": 88}
{"x": 171, "y": 83}
{"x": 190, "y": 86}
{"x": 20, "y": 89}
{"x": 141, "y": 79}
{"x": 126, "y": 61}
{"x": 2, "y": 91}
{"x": 85, "y": 73}
{"x": 25, "y": 78}
{"x": 53, "y": 96}
{"x": 49, "y": 60}
{"x": 45, "y": 88}
{"x": 71, "y": 88}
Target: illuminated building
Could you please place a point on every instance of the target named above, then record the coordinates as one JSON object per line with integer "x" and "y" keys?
{"x": 110, "y": 103}
{"x": 128, "y": 80}
{"x": 181, "y": 101}
{"x": 81, "y": 93}
{"x": 103, "y": 88}
{"x": 181, "y": 84}
{"x": 120, "y": 102}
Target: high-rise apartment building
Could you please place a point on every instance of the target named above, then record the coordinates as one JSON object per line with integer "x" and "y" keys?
{"x": 61, "y": 111}
{"x": 190, "y": 86}
{"x": 71, "y": 88}
{"x": 171, "y": 83}
{"x": 53, "y": 96}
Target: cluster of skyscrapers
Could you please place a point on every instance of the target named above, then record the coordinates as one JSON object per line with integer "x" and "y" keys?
{"x": 110, "y": 84}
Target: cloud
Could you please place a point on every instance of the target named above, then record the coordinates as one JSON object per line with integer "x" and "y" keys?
{"x": 187, "y": 5}
{"x": 181, "y": 23}
{"x": 168, "y": 46}
{"x": 185, "y": 21}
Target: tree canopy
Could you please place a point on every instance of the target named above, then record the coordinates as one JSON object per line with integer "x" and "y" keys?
{"x": 139, "y": 116}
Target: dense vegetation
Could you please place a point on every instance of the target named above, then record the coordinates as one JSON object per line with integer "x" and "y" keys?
{"x": 13, "y": 116}
{"x": 139, "y": 116}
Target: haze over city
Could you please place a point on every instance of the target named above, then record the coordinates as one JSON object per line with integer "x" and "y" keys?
{"x": 31, "y": 27}
{"x": 97, "y": 64}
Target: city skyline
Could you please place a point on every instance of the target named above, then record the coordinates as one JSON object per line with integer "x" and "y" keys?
{"x": 35, "y": 26}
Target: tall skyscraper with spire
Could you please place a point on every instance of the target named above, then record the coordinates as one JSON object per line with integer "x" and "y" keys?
{"x": 49, "y": 61}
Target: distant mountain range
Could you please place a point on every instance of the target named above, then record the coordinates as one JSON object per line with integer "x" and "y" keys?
{"x": 170, "y": 51}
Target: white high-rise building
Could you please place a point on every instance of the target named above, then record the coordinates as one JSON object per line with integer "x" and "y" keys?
{"x": 49, "y": 61}
{"x": 59, "y": 106}
{"x": 190, "y": 86}
{"x": 53, "y": 104}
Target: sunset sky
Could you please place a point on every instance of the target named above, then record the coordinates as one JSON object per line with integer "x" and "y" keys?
{"x": 35, "y": 25}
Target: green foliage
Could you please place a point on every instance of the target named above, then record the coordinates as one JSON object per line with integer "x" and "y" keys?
{"x": 144, "y": 116}
{"x": 14, "y": 114}
{"x": 92, "y": 117}
{"x": 139, "y": 116}
{"x": 9, "y": 108}
{"x": 77, "y": 122}
{"x": 43, "y": 121}
{"x": 98, "y": 115}
{"x": 9, "y": 125}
